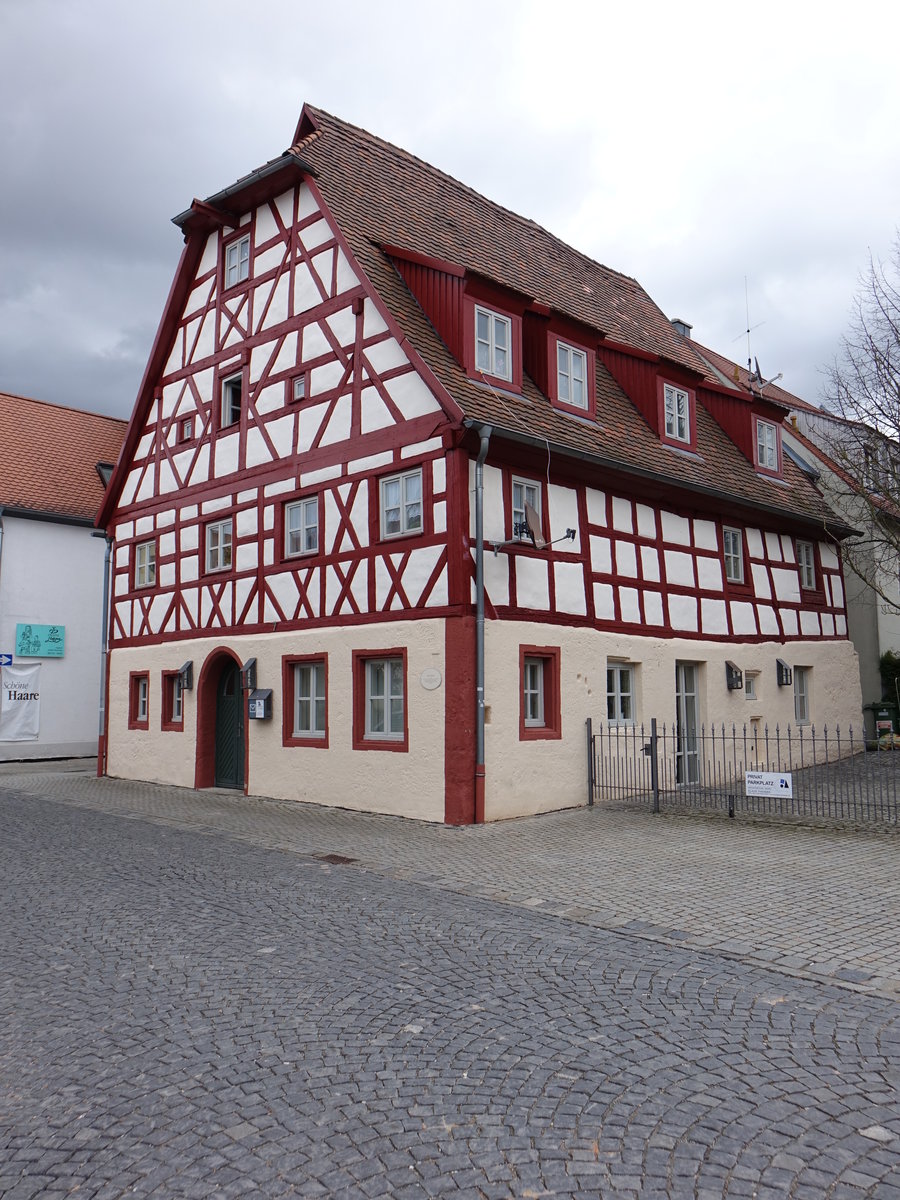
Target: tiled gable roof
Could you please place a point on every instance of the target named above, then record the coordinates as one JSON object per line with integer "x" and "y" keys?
{"x": 50, "y": 455}
{"x": 381, "y": 196}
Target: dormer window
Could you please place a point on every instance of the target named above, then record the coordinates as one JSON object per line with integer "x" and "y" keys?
{"x": 571, "y": 376}
{"x": 677, "y": 405}
{"x": 237, "y": 261}
{"x": 766, "y": 445}
{"x": 493, "y": 344}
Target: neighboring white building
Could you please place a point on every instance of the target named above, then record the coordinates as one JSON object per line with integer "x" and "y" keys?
{"x": 51, "y": 576}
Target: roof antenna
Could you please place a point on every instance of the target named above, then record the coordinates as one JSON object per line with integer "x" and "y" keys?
{"x": 746, "y": 332}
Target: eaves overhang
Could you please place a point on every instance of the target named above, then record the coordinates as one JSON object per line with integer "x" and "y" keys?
{"x": 36, "y": 514}
{"x": 835, "y": 528}
{"x": 218, "y": 208}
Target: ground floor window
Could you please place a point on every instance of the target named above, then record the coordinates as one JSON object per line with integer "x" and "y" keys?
{"x": 379, "y": 700}
{"x": 173, "y": 700}
{"x": 801, "y": 695}
{"x": 620, "y": 695}
{"x": 138, "y": 700}
{"x": 305, "y": 696}
{"x": 539, "y": 708}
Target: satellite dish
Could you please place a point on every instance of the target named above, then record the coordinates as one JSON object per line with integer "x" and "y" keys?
{"x": 533, "y": 521}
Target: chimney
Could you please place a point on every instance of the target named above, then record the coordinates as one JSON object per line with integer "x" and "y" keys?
{"x": 682, "y": 327}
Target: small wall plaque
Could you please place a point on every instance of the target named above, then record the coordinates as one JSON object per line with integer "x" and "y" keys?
{"x": 430, "y": 679}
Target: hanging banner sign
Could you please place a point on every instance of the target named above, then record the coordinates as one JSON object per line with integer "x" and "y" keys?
{"x": 20, "y": 703}
{"x": 40, "y": 641}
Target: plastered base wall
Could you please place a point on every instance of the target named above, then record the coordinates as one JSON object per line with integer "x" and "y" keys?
{"x": 525, "y": 777}
{"x": 407, "y": 784}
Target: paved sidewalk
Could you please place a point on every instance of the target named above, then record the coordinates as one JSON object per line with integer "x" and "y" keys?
{"x": 815, "y": 903}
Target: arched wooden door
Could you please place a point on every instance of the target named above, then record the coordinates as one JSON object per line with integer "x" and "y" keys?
{"x": 230, "y": 728}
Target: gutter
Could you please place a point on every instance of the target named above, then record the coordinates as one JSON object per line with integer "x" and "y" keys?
{"x": 289, "y": 158}
{"x": 834, "y": 529}
{"x": 104, "y": 645}
{"x": 484, "y": 433}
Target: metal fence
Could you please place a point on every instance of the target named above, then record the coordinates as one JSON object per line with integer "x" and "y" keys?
{"x": 827, "y": 774}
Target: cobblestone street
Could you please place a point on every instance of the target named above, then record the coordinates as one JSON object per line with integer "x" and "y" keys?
{"x": 195, "y": 1001}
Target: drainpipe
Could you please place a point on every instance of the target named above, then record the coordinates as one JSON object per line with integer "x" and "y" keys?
{"x": 104, "y": 634}
{"x": 485, "y": 435}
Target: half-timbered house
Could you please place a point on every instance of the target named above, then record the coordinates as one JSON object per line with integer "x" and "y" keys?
{"x": 412, "y": 488}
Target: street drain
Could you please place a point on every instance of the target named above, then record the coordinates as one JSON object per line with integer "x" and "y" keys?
{"x": 337, "y": 860}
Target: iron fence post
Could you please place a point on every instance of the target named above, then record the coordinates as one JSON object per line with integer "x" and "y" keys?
{"x": 590, "y": 761}
{"x": 654, "y": 764}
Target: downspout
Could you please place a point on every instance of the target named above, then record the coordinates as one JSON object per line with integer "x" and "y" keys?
{"x": 104, "y": 639}
{"x": 485, "y": 435}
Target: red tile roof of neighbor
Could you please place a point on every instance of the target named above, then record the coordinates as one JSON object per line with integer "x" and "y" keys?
{"x": 49, "y": 456}
{"x": 383, "y": 196}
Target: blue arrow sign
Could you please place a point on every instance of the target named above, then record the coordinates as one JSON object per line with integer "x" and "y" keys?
{"x": 5, "y": 660}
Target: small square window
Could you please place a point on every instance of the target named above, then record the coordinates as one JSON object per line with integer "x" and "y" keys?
{"x": 806, "y": 562}
{"x": 301, "y": 527}
{"x": 571, "y": 376}
{"x": 138, "y": 700}
{"x": 767, "y": 445}
{"x": 401, "y": 504}
{"x": 801, "y": 695}
{"x": 232, "y": 390}
{"x": 379, "y": 701}
{"x": 677, "y": 413}
{"x": 173, "y": 700}
{"x": 218, "y": 545}
{"x": 237, "y": 261}
{"x": 493, "y": 344}
{"x": 750, "y": 692}
{"x": 539, "y": 714}
{"x": 733, "y": 549}
{"x": 298, "y": 388}
{"x": 145, "y": 564}
{"x": 620, "y": 695}
{"x": 185, "y": 429}
{"x": 524, "y": 491}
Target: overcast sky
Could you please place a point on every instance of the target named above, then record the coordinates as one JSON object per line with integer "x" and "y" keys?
{"x": 692, "y": 146}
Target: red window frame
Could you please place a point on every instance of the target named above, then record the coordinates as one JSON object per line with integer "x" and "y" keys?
{"x": 168, "y": 722}
{"x": 815, "y": 595}
{"x": 554, "y": 340}
{"x": 281, "y": 531}
{"x": 288, "y": 737}
{"x": 218, "y": 572}
{"x": 144, "y": 541}
{"x": 135, "y": 678}
{"x": 289, "y": 384}
{"x": 406, "y": 468}
{"x": 681, "y": 444}
{"x": 360, "y": 741}
{"x": 470, "y": 303}
{"x": 245, "y": 232}
{"x": 552, "y": 726}
{"x": 184, "y": 429}
{"x": 732, "y": 585}
{"x": 509, "y": 477}
{"x": 776, "y": 470}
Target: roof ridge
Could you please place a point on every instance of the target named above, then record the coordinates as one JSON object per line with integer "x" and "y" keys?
{"x": 69, "y": 408}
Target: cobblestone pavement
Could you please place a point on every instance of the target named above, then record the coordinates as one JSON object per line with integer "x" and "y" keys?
{"x": 193, "y": 1012}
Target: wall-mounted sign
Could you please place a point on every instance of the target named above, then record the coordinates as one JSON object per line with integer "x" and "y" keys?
{"x": 40, "y": 641}
{"x": 5, "y": 660}
{"x": 430, "y": 679}
{"x": 769, "y": 783}
{"x": 20, "y": 703}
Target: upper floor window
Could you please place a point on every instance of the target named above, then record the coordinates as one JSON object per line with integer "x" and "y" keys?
{"x": 493, "y": 343}
{"x": 571, "y": 376}
{"x": 301, "y": 527}
{"x": 237, "y": 261}
{"x": 145, "y": 564}
{"x": 733, "y": 546}
{"x": 185, "y": 429}
{"x": 806, "y": 561}
{"x": 232, "y": 389}
{"x": 298, "y": 388}
{"x": 218, "y": 545}
{"x": 767, "y": 445}
{"x": 620, "y": 695}
{"x": 676, "y": 404}
{"x": 524, "y": 491}
{"x": 401, "y": 504}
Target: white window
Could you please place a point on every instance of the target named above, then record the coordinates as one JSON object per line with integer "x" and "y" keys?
{"x": 145, "y": 564}
{"x": 177, "y": 699}
{"x": 733, "y": 545}
{"x": 801, "y": 695}
{"x": 218, "y": 545}
{"x": 493, "y": 341}
{"x": 301, "y": 527}
{"x": 524, "y": 491}
{"x": 767, "y": 445}
{"x": 142, "y": 708}
{"x": 401, "y": 504}
{"x": 678, "y": 421}
{"x": 384, "y": 698}
{"x": 571, "y": 375}
{"x": 806, "y": 561}
{"x": 237, "y": 261}
{"x": 750, "y": 685}
{"x": 533, "y": 692}
{"x": 620, "y": 695}
{"x": 309, "y": 699}
{"x": 299, "y": 391}
{"x": 231, "y": 400}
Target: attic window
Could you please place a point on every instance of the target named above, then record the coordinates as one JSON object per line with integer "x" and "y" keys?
{"x": 571, "y": 375}
{"x": 678, "y": 414}
{"x": 766, "y": 445}
{"x": 237, "y": 261}
{"x": 493, "y": 344}
{"x": 105, "y": 470}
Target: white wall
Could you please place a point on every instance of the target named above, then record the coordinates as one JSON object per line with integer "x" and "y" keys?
{"x": 52, "y": 574}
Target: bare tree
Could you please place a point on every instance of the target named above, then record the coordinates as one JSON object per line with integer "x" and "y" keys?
{"x": 863, "y": 391}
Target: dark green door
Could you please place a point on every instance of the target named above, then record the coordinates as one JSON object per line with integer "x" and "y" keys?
{"x": 230, "y": 728}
